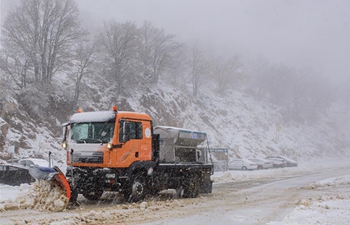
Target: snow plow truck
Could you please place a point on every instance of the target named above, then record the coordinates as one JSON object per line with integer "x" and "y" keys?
{"x": 121, "y": 151}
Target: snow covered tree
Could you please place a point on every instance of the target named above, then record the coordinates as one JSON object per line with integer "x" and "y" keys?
{"x": 176, "y": 72}
{"x": 16, "y": 65}
{"x": 38, "y": 38}
{"x": 226, "y": 73}
{"x": 157, "y": 51}
{"x": 199, "y": 68}
{"x": 258, "y": 71}
{"x": 84, "y": 59}
{"x": 119, "y": 47}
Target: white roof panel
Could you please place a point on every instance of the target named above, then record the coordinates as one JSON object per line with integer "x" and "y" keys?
{"x": 100, "y": 116}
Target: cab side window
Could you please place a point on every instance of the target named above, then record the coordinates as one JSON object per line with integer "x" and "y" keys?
{"x": 135, "y": 130}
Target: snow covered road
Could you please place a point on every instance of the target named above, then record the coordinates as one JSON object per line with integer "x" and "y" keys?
{"x": 317, "y": 194}
{"x": 271, "y": 199}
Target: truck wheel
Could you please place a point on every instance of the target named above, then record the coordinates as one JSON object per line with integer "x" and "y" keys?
{"x": 191, "y": 186}
{"x": 180, "y": 191}
{"x": 94, "y": 194}
{"x": 206, "y": 187}
{"x": 74, "y": 195}
{"x": 244, "y": 168}
{"x": 139, "y": 189}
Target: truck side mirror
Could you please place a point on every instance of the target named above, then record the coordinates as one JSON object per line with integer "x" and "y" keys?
{"x": 65, "y": 131}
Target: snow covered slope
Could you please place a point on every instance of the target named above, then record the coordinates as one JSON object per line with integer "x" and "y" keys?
{"x": 236, "y": 121}
{"x": 243, "y": 125}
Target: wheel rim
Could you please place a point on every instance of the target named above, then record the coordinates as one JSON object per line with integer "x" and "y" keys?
{"x": 137, "y": 188}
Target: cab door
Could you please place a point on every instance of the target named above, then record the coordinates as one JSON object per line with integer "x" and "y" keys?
{"x": 136, "y": 142}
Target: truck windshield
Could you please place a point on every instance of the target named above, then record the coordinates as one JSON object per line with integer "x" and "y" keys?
{"x": 97, "y": 132}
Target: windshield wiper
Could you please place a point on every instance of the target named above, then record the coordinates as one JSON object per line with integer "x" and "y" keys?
{"x": 89, "y": 141}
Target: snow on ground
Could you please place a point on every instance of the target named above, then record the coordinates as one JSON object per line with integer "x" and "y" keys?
{"x": 40, "y": 195}
{"x": 327, "y": 208}
{"x": 330, "y": 206}
{"x": 8, "y": 192}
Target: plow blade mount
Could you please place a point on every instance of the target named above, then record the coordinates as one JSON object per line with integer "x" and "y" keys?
{"x": 51, "y": 174}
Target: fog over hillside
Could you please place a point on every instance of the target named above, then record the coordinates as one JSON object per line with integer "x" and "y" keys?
{"x": 310, "y": 34}
{"x": 259, "y": 77}
{"x": 297, "y": 33}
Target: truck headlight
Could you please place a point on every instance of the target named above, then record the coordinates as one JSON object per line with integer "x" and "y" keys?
{"x": 64, "y": 145}
{"x": 110, "y": 146}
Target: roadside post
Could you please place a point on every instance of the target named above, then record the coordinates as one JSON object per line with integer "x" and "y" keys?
{"x": 278, "y": 128}
{"x": 11, "y": 150}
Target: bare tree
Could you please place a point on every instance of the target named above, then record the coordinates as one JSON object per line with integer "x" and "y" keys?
{"x": 226, "y": 72}
{"x": 119, "y": 45}
{"x": 258, "y": 70}
{"x": 199, "y": 67}
{"x": 44, "y": 33}
{"x": 82, "y": 64}
{"x": 157, "y": 50}
{"x": 178, "y": 67}
{"x": 301, "y": 93}
{"x": 15, "y": 65}
{"x": 280, "y": 78}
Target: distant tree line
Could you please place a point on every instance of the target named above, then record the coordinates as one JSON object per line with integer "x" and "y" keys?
{"x": 47, "y": 60}
{"x": 303, "y": 94}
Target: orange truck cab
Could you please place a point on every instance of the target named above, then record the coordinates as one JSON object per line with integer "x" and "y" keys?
{"x": 119, "y": 151}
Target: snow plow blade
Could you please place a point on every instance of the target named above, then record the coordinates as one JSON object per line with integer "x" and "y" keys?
{"x": 51, "y": 174}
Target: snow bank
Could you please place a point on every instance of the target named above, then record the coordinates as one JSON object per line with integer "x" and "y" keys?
{"x": 331, "y": 206}
{"x": 42, "y": 195}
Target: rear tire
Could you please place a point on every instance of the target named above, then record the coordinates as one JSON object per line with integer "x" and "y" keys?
{"x": 191, "y": 186}
{"x": 206, "y": 187}
{"x": 180, "y": 192}
{"x": 244, "y": 168}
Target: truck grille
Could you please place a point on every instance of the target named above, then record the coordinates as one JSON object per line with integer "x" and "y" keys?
{"x": 95, "y": 157}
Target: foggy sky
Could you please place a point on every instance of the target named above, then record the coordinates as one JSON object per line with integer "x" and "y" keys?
{"x": 300, "y": 33}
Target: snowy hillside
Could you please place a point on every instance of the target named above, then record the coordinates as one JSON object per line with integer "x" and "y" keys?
{"x": 29, "y": 137}
{"x": 236, "y": 121}
{"x": 243, "y": 125}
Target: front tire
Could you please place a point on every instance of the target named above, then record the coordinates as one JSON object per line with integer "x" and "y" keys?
{"x": 94, "y": 194}
{"x": 139, "y": 189}
{"x": 244, "y": 168}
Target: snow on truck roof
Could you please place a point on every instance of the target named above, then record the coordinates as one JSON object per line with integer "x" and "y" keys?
{"x": 102, "y": 116}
